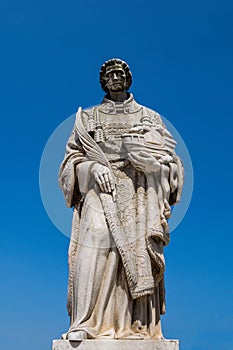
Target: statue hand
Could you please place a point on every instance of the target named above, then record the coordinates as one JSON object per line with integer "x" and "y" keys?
{"x": 144, "y": 161}
{"x": 139, "y": 128}
{"x": 165, "y": 159}
{"x": 103, "y": 178}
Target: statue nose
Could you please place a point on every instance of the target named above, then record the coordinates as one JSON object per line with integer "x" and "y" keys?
{"x": 115, "y": 77}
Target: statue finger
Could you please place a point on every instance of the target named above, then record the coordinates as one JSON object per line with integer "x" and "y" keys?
{"x": 140, "y": 168}
{"x": 145, "y": 154}
{"x": 137, "y": 165}
{"x": 99, "y": 183}
{"x": 107, "y": 182}
{"x": 136, "y": 156}
{"x": 103, "y": 182}
{"x": 132, "y": 157}
{"x": 139, "y": 162}
{"x": 112, "y": 182}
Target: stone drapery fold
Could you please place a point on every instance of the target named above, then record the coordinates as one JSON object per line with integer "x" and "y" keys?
{"x": 137, "y": 219}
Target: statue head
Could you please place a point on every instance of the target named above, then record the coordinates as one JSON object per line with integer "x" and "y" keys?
{"x": 118, "y": 68}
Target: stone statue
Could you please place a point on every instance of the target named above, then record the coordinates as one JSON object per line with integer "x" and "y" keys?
{"x": 121, "y": 175}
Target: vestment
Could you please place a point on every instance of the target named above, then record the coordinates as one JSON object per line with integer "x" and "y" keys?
{"x": 116, "y": 261}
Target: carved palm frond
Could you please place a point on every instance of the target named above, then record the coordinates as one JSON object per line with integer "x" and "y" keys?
{"x": 93, "y": 151}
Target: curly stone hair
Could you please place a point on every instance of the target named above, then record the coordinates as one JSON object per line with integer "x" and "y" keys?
{"x": 113, "y": 62}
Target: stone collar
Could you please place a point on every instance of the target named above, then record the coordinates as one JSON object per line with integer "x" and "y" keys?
{"x": 126, "y": 107}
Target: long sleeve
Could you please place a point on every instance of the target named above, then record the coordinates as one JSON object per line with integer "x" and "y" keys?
{"x": 67, "y": 174}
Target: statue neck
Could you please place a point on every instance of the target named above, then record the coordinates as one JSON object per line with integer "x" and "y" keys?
{"x": 119, "y": 96}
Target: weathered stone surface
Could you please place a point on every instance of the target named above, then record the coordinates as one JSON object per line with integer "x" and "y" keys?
{"x": 116, "y": 345}
{"x": 122, "y": 175}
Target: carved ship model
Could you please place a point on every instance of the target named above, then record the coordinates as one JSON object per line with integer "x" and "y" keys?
{"x": 153, "y": 142}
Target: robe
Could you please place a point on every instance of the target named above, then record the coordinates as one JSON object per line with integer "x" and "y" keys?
{"x": 116, "y": 260}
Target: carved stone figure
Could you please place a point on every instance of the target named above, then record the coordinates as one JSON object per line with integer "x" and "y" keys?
{"x": 121, "y": 175}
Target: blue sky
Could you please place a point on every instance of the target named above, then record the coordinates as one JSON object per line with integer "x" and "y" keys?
{"x": 181, "y": 54}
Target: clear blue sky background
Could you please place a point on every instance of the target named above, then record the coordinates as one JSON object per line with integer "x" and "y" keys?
{"x": 181, "y": 56}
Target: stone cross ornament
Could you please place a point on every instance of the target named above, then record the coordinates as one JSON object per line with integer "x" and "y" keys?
{"x": 121, "y": 175}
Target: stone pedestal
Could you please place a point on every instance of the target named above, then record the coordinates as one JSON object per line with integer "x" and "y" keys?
{"x": 116, "y": 345}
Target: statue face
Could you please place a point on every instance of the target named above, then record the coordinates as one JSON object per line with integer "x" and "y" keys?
{"x": 116, "y": 79}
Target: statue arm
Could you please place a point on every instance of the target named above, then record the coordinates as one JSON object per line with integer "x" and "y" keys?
{"x": 172, "y": 170}
{"x": 74, "y": 165}
{"x": 81, "y": 169}
{"x": 176, "y": 179}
